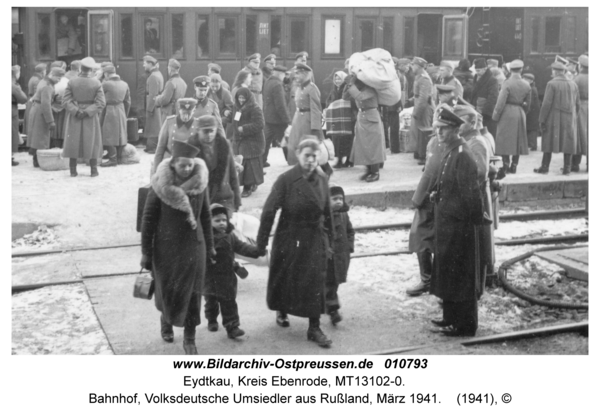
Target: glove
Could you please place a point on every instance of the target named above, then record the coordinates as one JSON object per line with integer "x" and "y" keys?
{"x": 350, "y": 79}
{"x": 52, "y": 127}
{"x": 80, "y": 115}
{"x": 146, "y": 262}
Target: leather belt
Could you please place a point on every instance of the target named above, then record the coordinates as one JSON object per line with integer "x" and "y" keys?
{"x": 303, "y": 109}
{"x": 113, "y": 103}
{"x": 365, "y": 109}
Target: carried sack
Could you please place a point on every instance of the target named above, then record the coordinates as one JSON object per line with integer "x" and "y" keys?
{"x": 143, "y": 287}
{"x": 376, "y": 69}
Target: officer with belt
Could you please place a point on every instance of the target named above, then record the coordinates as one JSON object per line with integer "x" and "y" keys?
{"x": 154, "y": 86}
{"x": 206, "y": 106}
{"x": 174, "y": 90}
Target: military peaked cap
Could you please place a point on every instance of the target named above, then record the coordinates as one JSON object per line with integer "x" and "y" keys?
{"x": 57, "y": 72}
{"x": 40, "y": 67}
{"x": 110, "y": 69}
{"x": 447, "y": 64}
{"x": 187, "y": 104}
{"x": 448, "y": 118}
{"x": 419, "y": 62}
{"x": 255, "y": 56}
{"x": 214, "y": 67}
{"x": 558, "y": 66}
{"x": 583, "y": 60}
{"x": 516, "y": 64}
{"x": 463, "y": 110}
{"x": 202, "y": 81}
{"x": 174, "y": 63}
{"x": 493, "y": 63}
{"x": 183, "y": 149}
{"x": 280, "y": 68}
{"x": 150, "y": 59}
{"x": 442, "y": 89}
{"x": 301, "y": 54}
{"x": 529, "y": 76}
{"x": 88, "y": 62}
{"x": 302, "y": 67}
{"x": 270, "y": 57}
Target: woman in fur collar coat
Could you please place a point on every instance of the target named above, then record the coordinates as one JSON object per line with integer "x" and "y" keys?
{"x": 248, "y": 139}
{"x": 176, "y": 236}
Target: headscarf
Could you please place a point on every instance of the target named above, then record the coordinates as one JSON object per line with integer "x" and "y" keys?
{"x": 341, "y": 74}
{"x": 247, "y": 94}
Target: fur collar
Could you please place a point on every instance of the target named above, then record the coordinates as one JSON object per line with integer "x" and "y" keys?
{"x": 177, "y": 197}
{"x": 221, "y": 152}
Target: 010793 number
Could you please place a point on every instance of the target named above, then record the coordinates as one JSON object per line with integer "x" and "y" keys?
{"x": 406, "y": 363}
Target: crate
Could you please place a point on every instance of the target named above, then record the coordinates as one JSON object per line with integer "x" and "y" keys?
{"x": 52, "y": 160}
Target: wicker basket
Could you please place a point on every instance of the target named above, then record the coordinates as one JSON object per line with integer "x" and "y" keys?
{"x": 52, "y": 160}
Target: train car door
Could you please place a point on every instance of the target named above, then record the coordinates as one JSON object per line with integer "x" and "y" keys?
{"x": 429, "y": 37}
{"x": 454, "y": 37}
{"x": 100, "y": 35}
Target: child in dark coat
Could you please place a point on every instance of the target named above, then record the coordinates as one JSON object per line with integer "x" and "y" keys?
{"x": 220, "y": 282}
{"x": 342, "y": 244}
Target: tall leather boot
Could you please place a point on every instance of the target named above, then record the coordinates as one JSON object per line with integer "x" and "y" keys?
{"x": 425, "y": 268}
{"x": 73, "y": 166}
{"x": 120, "y": 154}
{"x": 166, "y": 330}
{"x": 189, "y": 339}
{"x": 566, "y": 170}
{"x": 546, "y": 158}
{"x": 35, "y": 159}
{"x": 94, "y": 167}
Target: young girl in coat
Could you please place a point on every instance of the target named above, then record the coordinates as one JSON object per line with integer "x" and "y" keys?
{"x": 220, "y": 283}
{"x": 342, "y": 244}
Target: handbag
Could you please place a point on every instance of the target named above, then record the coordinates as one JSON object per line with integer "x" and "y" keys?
{"x": 143, "y": 287}
{"x": 327, "y": 152}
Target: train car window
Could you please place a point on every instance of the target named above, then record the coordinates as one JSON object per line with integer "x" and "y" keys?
{"x": 552, "y": 40}
{"x": 453, "y": 37}
{"x": 251, "y": 34}
{"x": 177, "y": 29}
{"x": 388, "y": 34}
{"x": 333, "y": 36}
{"x": 43, "y": 32}
{"x": 569, "y": 34}
{"x": 535, "y": 34}
{"x": 276, "y": 35}
{"x": 127, "y": 36}
{"x": 227, "y": 36}
{"x": 202, "y": 27}
{"x": 70, "y": 34}
{"x": 100, "y": 25}
{"x": 409, "y": 36}
{"x": 366, "y": 34}
{"x": 153, "y": 33}
{"x": 298, "y": 35}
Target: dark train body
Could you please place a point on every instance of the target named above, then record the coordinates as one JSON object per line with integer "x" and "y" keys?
{"x": 197, "y": 36}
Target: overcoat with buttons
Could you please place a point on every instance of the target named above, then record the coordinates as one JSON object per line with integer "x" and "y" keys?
{"x": 559, "y": 116}
{"x": 308, "y": 117}
{"x": 209, "y": 107}
{"x": 298, "y": 265}
{"x": 83, "y": 137}
{"x": 154, "y": 86}
{"x": 511, "y": 114}
{"x": 167, "y": 101}
{"x": 31, "y": 89}
{"x": 581, "y": 81}
{"x": 114, "y": 118}
{"x": 458, "y": 210}
{"x": 41, "y": 116}
{"x": 18, "y": 97}
{"x": 422, "y": 115}
{"x": 173, "y": 129}
{"x": 369, "y": 140}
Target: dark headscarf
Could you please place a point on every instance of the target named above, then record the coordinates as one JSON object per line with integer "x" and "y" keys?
{"x": 247, "y": 94}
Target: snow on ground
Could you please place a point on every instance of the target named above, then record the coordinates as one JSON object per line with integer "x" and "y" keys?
{"x": 367, "y": 216}
{"x": 56, "y": 320}
{"x": 540, "y": 228}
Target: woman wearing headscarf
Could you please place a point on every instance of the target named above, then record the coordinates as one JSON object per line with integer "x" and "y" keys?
{"x": 248, "y": 139}
{"x": 338, "y": 87}
{"x": 176, "y": 236}
{"x": 298, "y": 267}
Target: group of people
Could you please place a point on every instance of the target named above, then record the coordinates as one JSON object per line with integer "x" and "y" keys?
{"x": 83, "y": 111}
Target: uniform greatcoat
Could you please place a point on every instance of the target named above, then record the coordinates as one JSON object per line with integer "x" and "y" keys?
{"x": 175, "y": 89}
{"x": 559, "y": 116}
{"x": 458, "y": 88}
{"x": 18, "y": 97}
{"x": 83, "y": 137}
{"x": 41, "y": 115}
{"x": 458, "y": 210}
{"x": 422, "y": 116}
{"x": 114, "y": 118}
{"x": 173, "y": 129}
{"x": 422, "y": 232}
{"x": 31, "y": 89}
{"x": 369, "y": 140}
{"x": 176, "y": 235}
{"x": 209, "y": 107}
{"x": 307, "y": 118}
{"x": 298, "y": 265}
{"x": 256, "y": 85}
{"x": 154, "y": 86}
{"x": 581, "y": 80}
{"x": 510, "y": 113}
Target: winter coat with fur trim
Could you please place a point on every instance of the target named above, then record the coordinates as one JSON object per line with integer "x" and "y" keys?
{"x": 176, "y": 235}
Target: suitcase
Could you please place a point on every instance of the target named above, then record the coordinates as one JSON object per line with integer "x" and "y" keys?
{"x": 142, "y": 194}
{"x": 132, "y": 130}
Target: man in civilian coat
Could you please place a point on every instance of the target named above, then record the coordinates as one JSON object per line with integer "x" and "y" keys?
{"x": 581, "y": 80}
{"x": 114, "y": 117}
{"x": 154, "y": 86}
{"x": 424, "y": 101}
{"x": 206, "y": 106}
{"x": 558, "y": 119}
{"x": 308, "y": 117}
{"x": 485, "y": 94}
{"x": 277, "y": 118}
{"x": 175, "y": 89}
{"x": 84, "y": 101}
{"x": 458, "y": 210}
